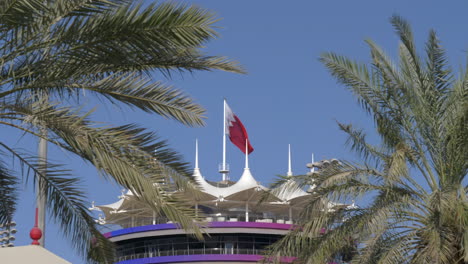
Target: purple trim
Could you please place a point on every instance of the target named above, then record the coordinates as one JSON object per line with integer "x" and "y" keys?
{"x": 147, "y": 228}
{"x": 197, "y": 258}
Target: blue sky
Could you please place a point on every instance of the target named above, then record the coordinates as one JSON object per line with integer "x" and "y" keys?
{"x": 287, "y": 97}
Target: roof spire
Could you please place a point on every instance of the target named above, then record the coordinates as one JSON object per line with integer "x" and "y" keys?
{"x": 196, "y": 154}
{"x": 312, "y": 169}
{"x": 196, "y": 170}
{"x": 289, "y": 173}
{"x": 35, "y": 233}
{"x": 246, "y": 154}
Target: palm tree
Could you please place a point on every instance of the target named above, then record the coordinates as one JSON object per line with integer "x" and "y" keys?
{"x": 413, "y": 185}
{"x": 52, "y": 53}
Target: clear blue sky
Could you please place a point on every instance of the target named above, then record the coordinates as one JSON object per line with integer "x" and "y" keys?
{"x": 287, "y": 97}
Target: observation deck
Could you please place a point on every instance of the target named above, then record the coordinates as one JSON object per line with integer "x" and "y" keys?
{"x": 238, "y": 228}
{"x": 233, "y": 242}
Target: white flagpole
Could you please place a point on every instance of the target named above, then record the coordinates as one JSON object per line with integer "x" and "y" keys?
{"x": 224, "y": 141}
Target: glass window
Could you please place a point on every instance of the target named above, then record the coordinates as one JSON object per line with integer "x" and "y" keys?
{"x": 182, "y": 245}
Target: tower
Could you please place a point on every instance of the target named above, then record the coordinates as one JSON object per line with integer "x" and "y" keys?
{"x": 238, "y": 228}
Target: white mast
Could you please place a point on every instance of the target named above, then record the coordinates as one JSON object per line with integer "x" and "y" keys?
{"x": 196, "y": 154}
{"x": 224, "y": 171}
{"x": 196, "y": 170}
{"x": 289, "y": 173}
{"x": 246, "y": 154}
{"x": 313, "y": 168}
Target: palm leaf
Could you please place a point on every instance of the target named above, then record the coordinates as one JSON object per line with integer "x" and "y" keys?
{"x": 60, "y": 50}
{"x": 8, "y": 194}
{"x": 66, "y": 203}
{"x": 122, "y": 154}
{"x": 420, "y": 113}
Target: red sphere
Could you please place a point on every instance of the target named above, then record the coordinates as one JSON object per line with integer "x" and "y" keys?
{"x": 35, "y": 235}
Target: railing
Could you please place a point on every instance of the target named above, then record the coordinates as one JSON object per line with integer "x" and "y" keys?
{"x": 143, "y": 222}
{"x": 201, "y": 251}
{"x": 210, "y": 218}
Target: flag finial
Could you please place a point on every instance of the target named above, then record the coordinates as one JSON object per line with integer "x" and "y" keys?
{"x": 36, "y": 232}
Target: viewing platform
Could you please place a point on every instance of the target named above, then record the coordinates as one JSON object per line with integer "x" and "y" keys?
{"x": 239, "y": 220}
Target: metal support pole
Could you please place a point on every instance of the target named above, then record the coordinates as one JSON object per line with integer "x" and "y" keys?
{"x": 290, "y": 213}
{"x": 246, "y": 212}
{"x": 41, "y": 198}
{"x": 224, "y": 141}
{"x": 133, "y": 216}
{"x": 41, "y": 185}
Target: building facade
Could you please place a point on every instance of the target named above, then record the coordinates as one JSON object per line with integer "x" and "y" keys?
{"x": 238, "y": 228}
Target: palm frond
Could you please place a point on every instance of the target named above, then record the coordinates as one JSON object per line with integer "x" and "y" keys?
{"x": 65, "y": 202}
{"x": 150, "y": 97}
{"x": 122, "y": 154}
{"x": 165, "y": 36}
{"x": 405, "y": 33}
{"x": 363, "y": 83}
{"x": 77, "y": 8}
{"x": 19, "y": 14}
{"x": 357, "y": 141}
{"x": 419, "y": 109}
{"x": 111, "y": 48}
{"x": 131, "y": 90}
{"x": 8, "y": 193}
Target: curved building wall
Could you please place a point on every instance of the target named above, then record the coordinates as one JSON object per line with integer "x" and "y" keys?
{"x": 228, "y": 242}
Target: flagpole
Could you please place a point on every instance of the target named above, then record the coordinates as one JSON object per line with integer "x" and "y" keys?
{"x": 224, "y": 140}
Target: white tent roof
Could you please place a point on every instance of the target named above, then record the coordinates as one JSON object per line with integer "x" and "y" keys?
{"x": 246, "y": 181}
{"x": 289, "y": 190}
{"x": 111, "y": 207}
{"x": 247, "y": 189}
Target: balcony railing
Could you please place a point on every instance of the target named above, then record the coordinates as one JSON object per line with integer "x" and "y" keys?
{"x": 214, "y": 218}
{"x": 212, "y": 251}
{"x": 201, "y": 251}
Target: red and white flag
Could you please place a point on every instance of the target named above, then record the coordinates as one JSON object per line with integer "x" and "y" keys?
{"x": 236, "y": 130}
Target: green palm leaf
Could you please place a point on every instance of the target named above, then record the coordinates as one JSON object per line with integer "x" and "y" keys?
{"x": 66, "y": 202}
{"x": 8, "y": 193}
{"x": 416, "y": 208}
{"x": 113, "y": 50}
